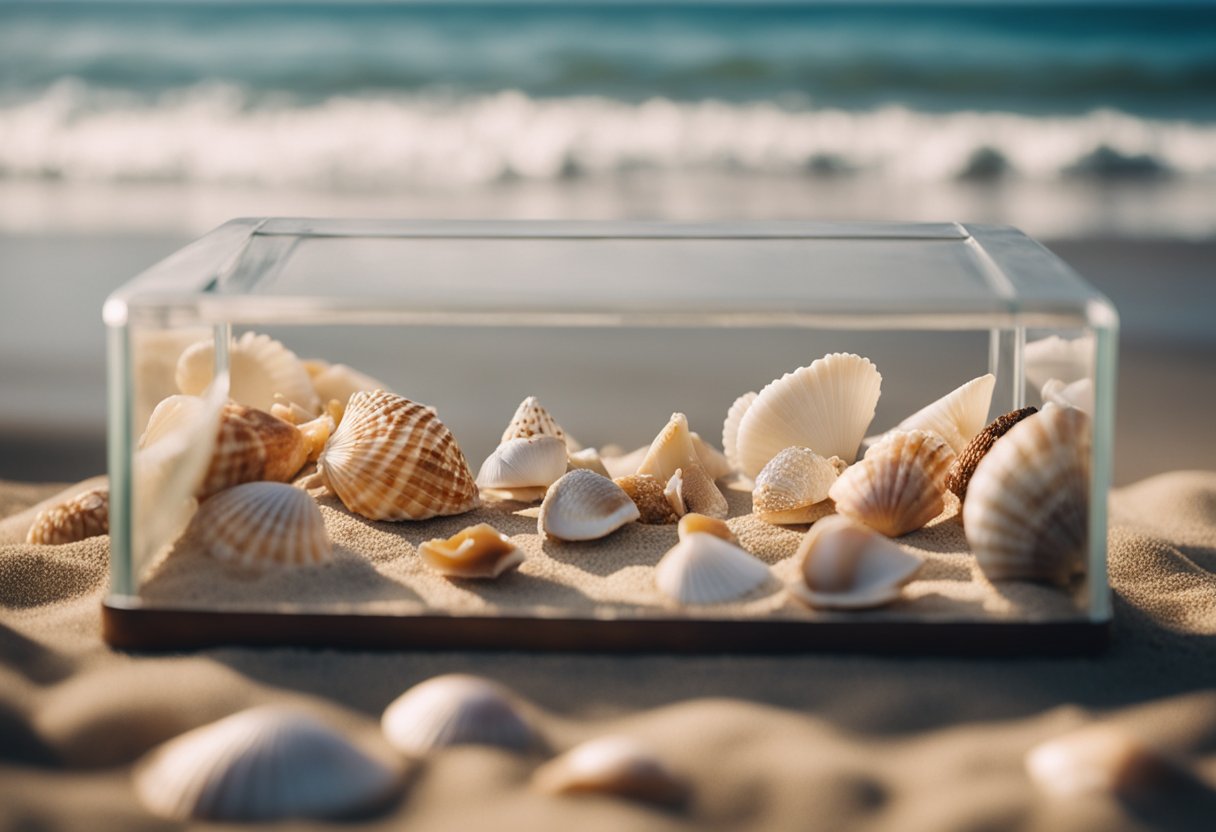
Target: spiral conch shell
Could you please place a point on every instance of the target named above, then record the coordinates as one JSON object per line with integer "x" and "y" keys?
{"x": 480, "y": 551}
{"x": 261, "y": 525}
{"x": 1027, "y": 509}
{"x": 958, "y": 416}
{"x": 392, "y": 459}
{"x": 793, "y": 487}
{"x": 259, "y": 367}
{"x": 582, "y": 505}
{"x": 85, "y": 515}
{"x": 846, "y": 566}
{"x": 613, "y": 765}
{"x": 898, "y": 487}
{"x": 673, "y": 450}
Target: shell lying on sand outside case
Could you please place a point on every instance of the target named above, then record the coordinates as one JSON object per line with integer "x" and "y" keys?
{"x": 582, "y": 505}
{"x": 702, "y": 568}
{"x": 957, "y": 416}
{"x": 614, "y": 765}
{"x": 897, "y": 488}
{"x": 258, "y": 366}
{"x": 456, "y": 709}
{"x": 479, "y": 551}
{"x": 261, "y": 525}
{"x": 846, "y": 566}
{"x": 82, "y": 516}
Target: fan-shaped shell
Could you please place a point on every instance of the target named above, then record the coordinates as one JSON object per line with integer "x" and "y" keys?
{"x": 701, "y": 524}
{"x": 730, "y": 428}
{"x": 613, "y": 765}
{"x": 258, "y": 366}
{"x": 647, "y": 494}
{"x": 673, "y": 492}
{"x": 958, "y": 416}
{"x": 582, "y": 505}
{"x": 1078, "y": 394}
{"x": 1027, "y": 509}
{"x": 1054, "y": 357}
{"x": 479, "y": 551}
{"x": 338, "y": 382}
{"x": 846, "y": 566}
{"x": 260, "y": 525}
{"x": 705, "y": 569}
{"x": 792, "y": 487}
{"x": 825, "y": 407}
{"x": 963, "y": 467}
{"x": 532, "y": 419}
{"x": 85, "y": 515}
{"x": 898, "y": 487}
{"x": 392, "y": 459}
{"x": 263, "y": 764}
{"x": 456, "y": 709}
{"x": 535, "y": 462}
{"x": 1099, "y": 759}
{"x": 673, "y": 450}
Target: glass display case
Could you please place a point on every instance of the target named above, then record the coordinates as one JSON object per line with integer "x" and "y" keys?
{"x": 879, "y": 350}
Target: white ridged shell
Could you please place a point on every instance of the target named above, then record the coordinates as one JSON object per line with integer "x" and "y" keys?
{"x": 259, "y": 367}
{"x": 790, "y": 483}
{"x": 338, "y": 382}
{"x": 825, "y": 407}
{"x": 673, "y": 450}
{"x": 900, "y": 484}
{"x": 613, "y": 765}
{"x": 262, "y": 525}
{"x": 1027, "y": 508}
{"x": 730, "y": 428}
{"x": 583, "y": 505}
{"x": 846, "y": 566}
{"x": 957, "y": 416}
{"x": 534, "y": 462}
{"x": 456, "y": 709}
{"x": 532, "y": 419}
{"x": 705, "y": 569}
{"x": 263, "y": 764}
{"x": 1078, "y": 394}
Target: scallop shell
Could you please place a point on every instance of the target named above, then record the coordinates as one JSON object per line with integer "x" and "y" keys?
{"x": 338, "y": 382}
{"x": 826, "y": 407}
{"x": 532, "y": 419}
{"x": 392, "y": 459}
{"x": 792, "y": 487}
{"x": 261, "y": 525}
{"x": 673, "y": 492}
{"x": 730, "y": 428}
{"x": 647, "y": 493}
{"x": 673, "y": 450}
{"x": 1078, "y": 394}
{"x": 85, "y": 515}
{"x": 456, "y": 709}
{"x": 1098, "y": 759}
{"x": 480, "y": 551}
{"x": 613, "y": 765}
{"x": 582, "y": 505}
{"x": 259, "y": 367}
{"x": 898, "y": 487}
{"x": 705, "y": 569}
{"x": 958, "y": 416}
{"x": 845, "y": 566}
{"x": 265, "y": 763}
{"x": 1027, "y": 509}
{"x": 534, "y": 462}
{"x": 1054, "y": 357}
{"x": 963, "y": 467}
{"x": 701, "y": 524}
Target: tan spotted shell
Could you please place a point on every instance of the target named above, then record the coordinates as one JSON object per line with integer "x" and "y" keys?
{"x": 392, "y": 459}
{"x": 85, "y": 515}
{"x": 898, "y": 486}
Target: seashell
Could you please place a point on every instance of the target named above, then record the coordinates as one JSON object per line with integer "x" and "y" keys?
{"x": 258, "y": 367}
{"x": 825, "y": 407}
{"x": 1054, "y": 357}
{"x": 957, "y": 416}
{"x": 532, "y": 419}
{"x": 85, "y": 515}
{"x": 673, "y": 450}
{"x": 1099, "y": 759}
{"x": 1027, "y": 509}
{"x": 705, "y": 569}
{"x": 898, "y": 487}
{"x": 251, "y": 446}
{"x": 534, "y": 462}
{"x": 730, "y": 428}
{"x": 711, "y": 459}
{"x": 338, "y": 382}
{"x": 582, "y": 505}
{"x": 673, "y": 492}
{"x": 700, "y": 524}
{"x": 845, "y": 566}
{"x": 1078, "y": 394}
{"x": 154, "y": 356}
{"x": 392, "y": 459}
{"x": 265, "y": 763}
{"x": 648, "y": 495}
{"x": 963, "y": 467}
{"x": 612, "y": 765}
{"x": 622, "y": 464}
{"x": 480, "y": 551}
{"x": 588, "y": 458}
{"x": 456, "y": 709}
{"x": 260, "y": 525}
{"x": 792, "y": 487}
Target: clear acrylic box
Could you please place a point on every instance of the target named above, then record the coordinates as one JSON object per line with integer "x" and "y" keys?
{"x": 614, "y": 326}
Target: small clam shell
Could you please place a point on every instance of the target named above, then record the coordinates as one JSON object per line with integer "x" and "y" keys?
{"x": 480, "y": 551}
{"x": 1027, "y": 508}
{"x": 532, "y": 419}
{"x": 456, "y": 710}
{"x": 613, "y": 765}
{"x": 534, "y": 462}
{"x": 1078, "y": 394}
{"x": 392, "y": 459}
{"x": 958, "y": 416}
{"x": 963, "y": 467}
{"x": 259, "y": 367}
{"x": 792, "y": 486}
{"x": 846, "y": 566}
{"x": 261, "y": 525}
{"x": 673, "y": 450}
{"x": 1098, "y": 759}
{"x": 588, "y": 458}
{"x": 700, "y": 524}
{"x": 266, "y": 763}
{"x": 898, "y": 487}
{"x": 85, "y": 515}
{"x": 730, "y": 429}
{"x": 648, "y": 495}
{"x": 582, "y": 505}
{"x": 339, "y": 382}
{"x": 705, "y": 569}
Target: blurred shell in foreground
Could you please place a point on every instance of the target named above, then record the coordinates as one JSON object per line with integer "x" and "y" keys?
{"x": 614, "y": 765}
{"x": 456, "y": 709}
{"x": 85, "y": 515}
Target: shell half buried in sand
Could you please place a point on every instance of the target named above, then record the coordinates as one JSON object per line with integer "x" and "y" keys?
{"x": 674, "y": 450}
{"x": 957, "y": 416}
{"x": 259, "y": 368}
{"x": 899, "y": 486}
{"x": 730, "y": 428}
{"x": 793, "y": 487}
{"x": 582, "y": 505}
{"x": 705, "y": 569}
{"x": 456, "y": 709}
{"x": 649, "y": 495}
{"x": 262, "y": 525}
{"x": 614, "y": 765}
{"x": 83, "y": 516}
{"x": 703, "y": 524}
{"x": 844, "y": 566}
{"x": 963, "y": 468}
{"x": 480, "y": 551}
{"x": 263, "y": 764}
{"x": 532, "y": 463}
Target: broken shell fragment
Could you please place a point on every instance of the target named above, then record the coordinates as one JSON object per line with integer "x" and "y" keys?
{"x": 258, "y": 367}
{"x": 700, "y": 524}
{"x": 705, "y": 569}
{"x": 793, "y": 487}
{"x": 613, "y": 765}
{"x": 673, "y": 450}
{"x": 1098, "y": 759}
{"x": 534, "y": 462}
{"x": 648, "y": 494}
{"x": 673, "y": 492}
{"x": 958, "y": 416}
{"x": 83, "y": 516}
{"x": 456, "y": 709}
{"x": 898, "y": 487}
{"x": 259, "y": 525}
{"x": 480, "y": 551}
{"x": 532, "y": 419}
{"x": 963, "y": 467}
{"x": 582, "y": 505}
{"x": 845, "y": 566}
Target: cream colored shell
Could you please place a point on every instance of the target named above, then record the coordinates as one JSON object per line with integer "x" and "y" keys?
{"x": 532, "y": 462}
{"x": 673, "y": 450}
{"x": 582, "y": 505}
{"x": 958, "y": 416}
{"x": 479, "y": 551}
{"x": 338, "y": 382}
{"x": 730, "y": 428}
{"x": 613, "y": 765}
{"x": 259, "y": 368}
{"x": 262, "y": 525}
{"x": 456, "y": 709}
{"x": 793, "y": 486}
{"x": 701, "y": 524}
{"x": 900, "y": 484}
{"x": 702, "y": 568}
{"x": 842, "y": 565}
{"x": 82, "y": 516}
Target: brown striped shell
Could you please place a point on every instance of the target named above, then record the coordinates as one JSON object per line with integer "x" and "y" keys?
{"x": 963, "y": 468}
{"x": 259, "y": 525}
{"x": 85, "y": 515}
{"x": 253, "y": 445}
{"x": 392, "y": 459}
{"x": 897, "y": 488}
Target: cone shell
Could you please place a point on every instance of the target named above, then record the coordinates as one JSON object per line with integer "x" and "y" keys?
{"x": 825, "y": 407}
{"x": 534, "y": 462}
{"x": 673, "y": 450}
{"x": 261, "y": 525}
{"x": 582, "y": 505}
{"x": 259, "y": 368}
{"x": 705, "y": 569}
{"x": 392, "y": 459}
{"x": 701, "y": 524}
{"x": 1099, "y": 760}
{"x": 898, "y": 487}
{"x": 480, "y": 551}
{"x": 963, "y": 467}
{"x": 456, "y": 710}
{"x": 532, "y": 419}
{"x": 730, "y": 428}
{"x": 1027, "y": 509}
{"x": 647, "y": 494}
{"x": 846, "y": 566}
{"x": 791, "y": 487}
{"x": 958, "y": 416}
{"x": 616, "y": 766}
{"x": 85, "y": 515}
{"x": 338, "y": 382}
